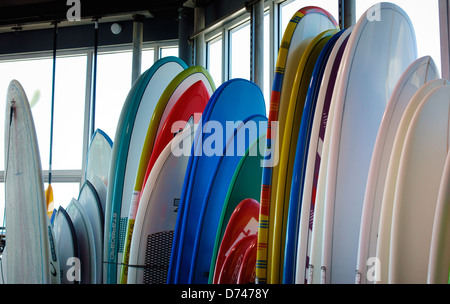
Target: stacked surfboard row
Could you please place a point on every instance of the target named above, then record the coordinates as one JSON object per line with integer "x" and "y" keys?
{"x": 360, "y": 192}
{"x": 346, "y": 180}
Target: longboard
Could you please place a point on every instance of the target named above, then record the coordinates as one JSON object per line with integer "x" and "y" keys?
{"x": 234, "y": 101}
{"x": 420, "y": 170}
{"x": 299, "y": 110}
{"x": 30, "y": 252}
{"x": 173, "y": 98}
{"x": 246, "y": 133}
{"x": 246, "y": 184}
{"x": 125, "y": 156}
{"x": 416, "y": 75}
{"x": 360, "y": 105}
{"x": 384, "y": 230}
{"x": 151, "y": 243}
{"x": 306, "y": 23}
{"x": 304, "y": 192}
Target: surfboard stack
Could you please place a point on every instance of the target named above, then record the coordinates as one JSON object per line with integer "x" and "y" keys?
{"x": 346, "y": 180}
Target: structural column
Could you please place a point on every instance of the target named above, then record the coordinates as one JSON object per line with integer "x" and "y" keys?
{"x": 138, "y": 31}
{"x": 444, "y": 16}
{"x": 257, "y": 43}
{"x": 347, "y": 13}
{"x": 199, "y": 42}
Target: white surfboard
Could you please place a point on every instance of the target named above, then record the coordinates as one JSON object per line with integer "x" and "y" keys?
{"x": 317, "y": 149}
{"x": 67, "y": 245}
{"x": 419, "y": 176}
{"x": 439, "y": 262}
{"x": 86, "y": 243}
{"x": 416, "y": 75}
{"x": 99, "y": 157}
{"x": 384, "y": 232}
{"x": 151, "y": 243}
{"x": 31, "y": 254}
{"x": 90, "y": 201}
{"x": 377, "y": 54}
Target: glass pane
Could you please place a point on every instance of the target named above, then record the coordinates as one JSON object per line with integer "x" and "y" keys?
{"x": 425, "y": 19}
{"x": 169, "y": 51}
{"x": 63, "y": 193}
{"x": 148, "y": 58}
{"x": 69, "y": 113}
{"x": 36, "y": 78}
{"x": 289, "y": 9}
{"x": 113, "y": 85}
{"x": 240, "y": 52}
{"x": 214, "y": 62}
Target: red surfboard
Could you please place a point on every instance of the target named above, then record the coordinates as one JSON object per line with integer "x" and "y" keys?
{"x": 188, "y": 108}
{"x": 243, "y": 223}
{"x": 247, "y": 270}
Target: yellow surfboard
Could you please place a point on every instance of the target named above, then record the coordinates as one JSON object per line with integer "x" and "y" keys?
{"x": 306, "y": 24}
{"x": 288, "y": 149}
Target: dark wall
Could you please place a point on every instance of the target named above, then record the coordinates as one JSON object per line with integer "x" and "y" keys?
{"x": 83, "y": 36}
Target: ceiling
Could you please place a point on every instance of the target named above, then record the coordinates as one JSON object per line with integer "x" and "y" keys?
{"x": 20, "y": 14}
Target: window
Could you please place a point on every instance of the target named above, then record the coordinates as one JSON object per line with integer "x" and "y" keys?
{"x": 240, "y": 52}
{"x": 214, "y": 59}
{"x": 35, "y": 75}
{"x": 425, "y": 19}
{"x": 168, "y": 51}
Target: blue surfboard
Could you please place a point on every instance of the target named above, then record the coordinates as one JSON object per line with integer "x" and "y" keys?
{"x": 300, "y": 160}
{"x": 216, "y": 194}
{"x": 235, "y": 100}
{"x": 131, "y": 129}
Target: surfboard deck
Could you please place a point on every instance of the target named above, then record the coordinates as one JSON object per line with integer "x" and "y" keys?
{"x": 287, "y": 153}
{"x": 359, "y": 109}
{"x": 31, "y": 256}
{"x": 384, "y": 233}
{"x": 151, "y": 243}
{"x": 246, "y": 133}
{"x": 235, "y": 100}
{"x": 170, "y": 100}
{"x": 416, "y": 75}
{"x": 243, "y": 224}
{"x": 128, "y": 143}
{"x": 303, "y": 26}
{"x": 421, "y": 165}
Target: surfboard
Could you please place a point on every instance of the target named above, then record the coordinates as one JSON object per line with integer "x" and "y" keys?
{"x": 67, "y": 246}
{"x": 151, "y": 243}
{"x": 243, "y": 224}
{"x": 384, "y": 231}
{"x": 233, "y": 101}
{"x": 128, "y": 144}
{"x": 247, "y": 270}
{"x": 246, "y": 133}
{"x": 245, "y": 184}
{"x": 306, "y": 23}
{"x": 439, "y": 261}
{"x": 306, "y": 171}
{"x": 31, "y": 253}
{"x": 360, "y": 105}
{"x": 90, "y": 201}
{"x": 87, "y": 264}
{"x": 99, "y": 156}
{"x": 421, "y": 166}
{"x": 416, "y": 75}
{"x": 298, "y": 108}
{"x": 172, "y": 95}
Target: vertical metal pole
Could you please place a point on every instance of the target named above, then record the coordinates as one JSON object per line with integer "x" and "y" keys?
{"x": 444, "y": 24}
{"x": 347, "y": 10}
{"x": 94, "y": 81}
{"x": 257, "y": 43}
{"x": 52, "y": 110}
{"x": 138, "y": 31}
{"x": 199, "y": 43}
